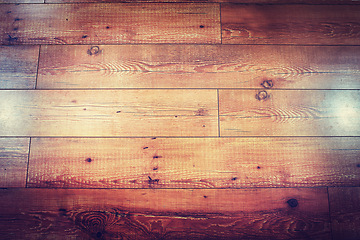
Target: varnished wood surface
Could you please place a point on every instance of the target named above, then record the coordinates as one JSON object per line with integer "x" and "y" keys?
{"x": 13, "y": 161}
{"x": 267, "y": 112}
{"x": 165, "y": 214}
{"x": 109, "y": 23}
{"x": 109, "y": 113}
{"x": 198, "y": 66}
{"x": 18, "y": 66}
{"x": 345, "y": 212}
{"x": 290, "y": 24}
{"x": 193, "y": 163}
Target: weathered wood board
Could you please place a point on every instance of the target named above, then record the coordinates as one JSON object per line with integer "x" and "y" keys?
{"x": 198, "y": 66}
{"x": 164, "y": 214}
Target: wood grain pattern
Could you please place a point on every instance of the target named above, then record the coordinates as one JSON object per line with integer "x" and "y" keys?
{"x": 165, "y": 214}
{"x": 109, "y": 113}
{"x": 193, "y": 162}
{"x": 345, "y": 212}
{"x": 21, "y": 1}
{"x": 190, "y": 66}
{"x": 267, "y": 112}
{"x": 290, "y": 24}
{"x": 109, "y": 23}
{"x": 13, "y": 161}
{"x": 18, "y": 66}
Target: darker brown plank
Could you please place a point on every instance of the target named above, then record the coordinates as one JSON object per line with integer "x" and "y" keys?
{"x": 109, "y": 23}
{"x": 190, "y": 66}
{"x": 345, "y": 212}
{"x": 267, "y": 112}
{"x": 165, "y": 214}
{"x": 128, "y": 113}
{"x": 290, "y": 24}
{"x": 13, "y": 161}
{"x": 193, "y": 162}
{"x": 18, "y": 66}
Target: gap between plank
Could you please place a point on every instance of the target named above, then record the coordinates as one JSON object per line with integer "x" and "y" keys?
{"x": 28, "y": 162}
{"x": 37, "y": 69}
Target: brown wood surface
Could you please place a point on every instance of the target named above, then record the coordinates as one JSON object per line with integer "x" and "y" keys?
{"x": 18, "y": 67}
{"x": 290, "y": 24}
{"x": 13, "y": 161}
{"x": 345, "y": 212}
{"x": 194, "y": 66}
{"x": 165, "y": 214}
{"x": 267, "y": 112}
{"x": 109, "y": 23}
{"x": 193, "y": 163}
{"x": 109, "y": 113}
{"x": 221, "y": 1}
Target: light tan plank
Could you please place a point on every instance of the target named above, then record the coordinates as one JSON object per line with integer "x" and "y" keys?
{"x": 13, "y": 161}
{"x": 18, "y": 66}
{"x": 109, "y": 23}
{"x": 193, "y": 162}
{"x": 190, "y": 66}
{"x": 266, "y": 112}
{"x": 109, "y": 113}
{"x": 165, "y": 214}
{"x": 345, "y": 212}
{"x": 290, "y": 24}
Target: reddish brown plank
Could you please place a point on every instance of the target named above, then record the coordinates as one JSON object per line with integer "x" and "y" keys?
{"x": 221, "y": 1}
{"x": 109, "y": 23}
{"x": 199, "y": 66}
{"x": 290, "y": 24}
{"x": 193, "y": 162}
{"x": 345, "y": 212}
{"x": 109, "y": 113}
{"x": 18, "y": 66}
{"x": 267, "y": 112}
{"x": 164, "y": 214}
{"x": 13, "y": 161}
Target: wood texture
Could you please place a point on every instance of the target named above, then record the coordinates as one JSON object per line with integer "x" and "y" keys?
{"x": 13, "y": 161}
{"x": 18, "y": 67}
{"x": 345, "y": 212}
{"x": 290, "y": 24}
{"x": 109, "y": 23}
{"x": 267, "y": 112}
{"x": 221, "y": 1}
{"x": 193, "y": 163}
{"x": 194, "y": 66}
{"x": 109, "y": 113}
{"x": 165, "y": 214}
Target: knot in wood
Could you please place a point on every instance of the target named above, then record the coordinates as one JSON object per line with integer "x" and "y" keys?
{"x": 267, "y": 84}
{"x": 93, "y": 50}
{"x": 261, "y": 95}
{"x": 293, "y": 202}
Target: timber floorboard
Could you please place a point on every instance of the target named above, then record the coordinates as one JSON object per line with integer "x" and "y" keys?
{"x": 179, "y": 119}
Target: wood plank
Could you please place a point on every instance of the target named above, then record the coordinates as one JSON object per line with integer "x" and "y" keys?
{"x": 164, "y": 214}
{"x": 109, "y": 113}
{"x": 267, "y": 112}
{"x": 221, "y": 1}
{"x": 13, "y": 161}
{"x": 109, "y": 23}
{"x": 290, "y": 24}
{"x": 22, "y": 1}
{"x": 18, "y": 67}
{"x": 190, "y": 66}
{"x": 345, "y": 213}
{"x": 193, "y": 162}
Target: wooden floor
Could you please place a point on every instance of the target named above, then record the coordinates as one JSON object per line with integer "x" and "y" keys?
{"x": 177, "y": 119}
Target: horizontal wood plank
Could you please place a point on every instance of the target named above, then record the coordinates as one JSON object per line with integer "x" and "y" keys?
{"x": 220, "y": 1}
{"x": 109, "y": 23}
{"x": 109, "y": 113}
{"x": 22, "y": 1}
{"x": 290, "y": 24}
{"x": 13, "y": 161}
{"x": 190, "y": 66}
{"x": 165, "y": 214}
{"x": 267, "y": 112}
{"x": 18, "y": 67}
{"x": 345, "y": 212}
{"x": 193, "y": 162}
